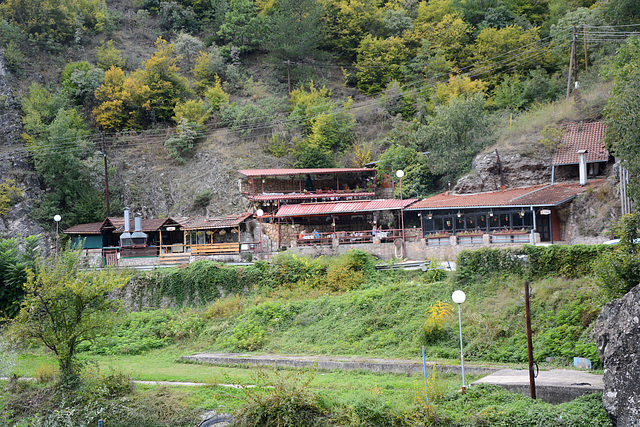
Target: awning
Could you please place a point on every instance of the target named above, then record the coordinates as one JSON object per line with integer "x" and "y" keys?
{"x": 337, "y": 208}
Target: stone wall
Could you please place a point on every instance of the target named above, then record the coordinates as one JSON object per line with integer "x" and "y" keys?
{"x": 418, "y": 249}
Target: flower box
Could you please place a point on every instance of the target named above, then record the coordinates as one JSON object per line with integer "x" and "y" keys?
{"x": 511, "y": 237}
{"x": 438, "y": 240}
{"x": 470, "y": 239}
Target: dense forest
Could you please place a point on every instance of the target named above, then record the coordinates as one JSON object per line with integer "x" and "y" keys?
{"x": 418, "y": 85}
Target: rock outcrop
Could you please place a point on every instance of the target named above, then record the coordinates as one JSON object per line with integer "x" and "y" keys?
{"x": 518, "y": 171}
{"x": 14, "y": 164}
{"x": 618, "y": 339}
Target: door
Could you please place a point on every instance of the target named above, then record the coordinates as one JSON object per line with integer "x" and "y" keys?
{"x": 543, "y": 226}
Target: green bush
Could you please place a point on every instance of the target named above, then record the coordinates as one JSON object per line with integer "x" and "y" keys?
{"x": 571, "y": 261}
{"x": 198, "y": 284}
{"x": 618, "y": 270}
{"x": 481, "y": 263}
{"x": 251, "y": 333}
{"x": 282, "y": 398}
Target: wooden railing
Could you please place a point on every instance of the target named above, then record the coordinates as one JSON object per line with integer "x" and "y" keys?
{"x": 355, "y": 237}
{"x": 201, "y": 249}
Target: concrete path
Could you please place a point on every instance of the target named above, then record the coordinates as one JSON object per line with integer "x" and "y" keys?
{"x": 398, "y": 366}
{"x": 554, "y": 386}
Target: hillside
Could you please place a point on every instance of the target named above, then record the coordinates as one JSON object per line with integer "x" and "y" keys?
{"x": 367, "y": 84}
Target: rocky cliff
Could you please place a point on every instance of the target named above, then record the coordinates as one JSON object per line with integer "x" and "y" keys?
{"x": 618, "y": 340}
{"x": 14, "y": 164}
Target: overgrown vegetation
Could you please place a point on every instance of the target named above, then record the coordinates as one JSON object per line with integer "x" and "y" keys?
{"x": 63, "y": 306}
{"x": 295, "y": 305}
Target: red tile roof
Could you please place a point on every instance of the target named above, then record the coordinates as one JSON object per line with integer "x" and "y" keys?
{"x": 309, "y": 209}
{"x": 316, "y": 171}
{"x": 202, "y": 223}
{"x": 91, "y": 228}
{"x": 537, "y": 195}
{"x": 302, "y": 196}
{"x": 582, "y": 136}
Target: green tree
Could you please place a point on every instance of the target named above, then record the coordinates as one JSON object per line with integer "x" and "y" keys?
{"x": 108, "y": 56}
{"x": 379, "y": 61}
{"x": 188, "y": 47}
{"x": 313, "y": 156}
{"x": 80, "y": 81}
{"x": 242, "y": 27}
{"x": 166, "y": 86}
{"x": 53, "y": 21}
{"x": 16, "y": 256}
{"x": 622, "y": 111}
{"x": 495, "y": 46}
{"x": 65, "y": 162}
{"x": 334, "y": 130}
{"x": 450, "y": 35}
{"x": 394, "y": 158}
{"x": 208, "y": 66}
{"x": 295, "y": 29}
{"x": 306, "y": 105}
{"x": 66, "y": 304}
{"x": 181, "y": 144}
{"x": 349, "y": 21}
{"x": 451, "y": 139}
{"x": 622, "y": 11}
{"x": 216, "y": 97}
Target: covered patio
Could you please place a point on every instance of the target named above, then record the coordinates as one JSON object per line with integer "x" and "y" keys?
{"x": 346, "y": 222}
{"x": 513, "y": 215}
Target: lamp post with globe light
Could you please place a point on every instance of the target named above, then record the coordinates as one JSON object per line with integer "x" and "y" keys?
{"x": 57, "y": 219}
{"x": 459, "y": 297}
{"x": 259, "y": 214}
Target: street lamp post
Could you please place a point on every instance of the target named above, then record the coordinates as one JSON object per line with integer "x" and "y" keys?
{"x": 400, "y": 174}
{"x": 459, "y": 297}
{"x": 57, "y": 219}
{"x": 259, "y": 214}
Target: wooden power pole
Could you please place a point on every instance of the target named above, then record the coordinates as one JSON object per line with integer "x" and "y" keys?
{"x": 571, "y": 63}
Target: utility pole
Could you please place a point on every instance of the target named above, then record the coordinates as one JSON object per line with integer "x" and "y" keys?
{"x": 106, "y": 173}
{"x": 532, "y": 381}
{"x": 571, "y": 64}
{"x": 575, "y": 58}
{"x": 586, "y": 57}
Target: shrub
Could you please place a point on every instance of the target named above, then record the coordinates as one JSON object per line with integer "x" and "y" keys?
{"x": 46, "y": 373}
{"x": 475, "y": 265}
{"x": 618, "y": 270}
{"x": 181, "y": 144}
{"x": 108, "y": 56}
{"x": 194, "y": 111}
{"x": 436, "y": 315}
{"x": 289, "y": 269}
{"x": 529, "y": 261}
{"x": 202, "y": 200}
{"x": 216, "y": 97}
{"x": 7, "y": 358}
{"x": 281, "y": 399}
